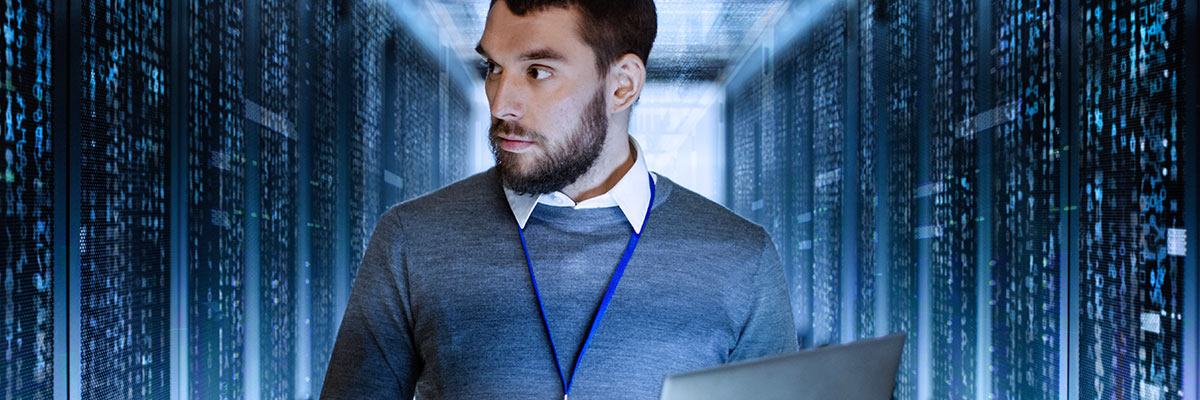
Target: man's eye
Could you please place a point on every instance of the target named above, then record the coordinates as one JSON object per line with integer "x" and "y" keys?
{"x": 538, "y": 73}
{"x": 490, "y": 67}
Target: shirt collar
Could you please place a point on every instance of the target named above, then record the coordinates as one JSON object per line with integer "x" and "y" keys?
{"x": 631, "y": 194}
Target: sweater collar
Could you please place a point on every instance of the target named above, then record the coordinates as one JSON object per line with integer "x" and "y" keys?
{"x": 631, "y": 194}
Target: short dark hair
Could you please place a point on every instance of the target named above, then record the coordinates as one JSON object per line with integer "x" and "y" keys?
{"x": 613, "y": 28}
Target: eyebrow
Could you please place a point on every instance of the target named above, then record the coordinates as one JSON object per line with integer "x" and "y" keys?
{"x": 539, "y": 54}
{"x": 543, "y": 54}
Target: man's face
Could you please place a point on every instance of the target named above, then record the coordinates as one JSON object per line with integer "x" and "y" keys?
{"x": 549, "y": 112}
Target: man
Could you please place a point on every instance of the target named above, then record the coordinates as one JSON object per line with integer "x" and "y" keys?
{"x": 492, "y": 287}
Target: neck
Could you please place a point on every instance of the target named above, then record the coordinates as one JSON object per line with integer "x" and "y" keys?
{"x": 608, "y": 170}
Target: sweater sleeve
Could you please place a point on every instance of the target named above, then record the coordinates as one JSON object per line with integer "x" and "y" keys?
{"x": 374, "y": 356}
{"x": 769, "y": 329}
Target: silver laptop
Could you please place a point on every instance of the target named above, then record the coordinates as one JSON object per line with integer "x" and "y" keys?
{"x": 862, "y": 370}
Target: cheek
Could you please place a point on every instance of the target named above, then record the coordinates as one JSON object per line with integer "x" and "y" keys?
{"x": 558, "y": 114}
{"x": 568, "y": 113}
{"x": 554, "y": 120}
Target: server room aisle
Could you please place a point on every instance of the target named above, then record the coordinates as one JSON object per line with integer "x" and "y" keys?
{"x": 188, "y": 186}
{"x": 1011, "y": 182}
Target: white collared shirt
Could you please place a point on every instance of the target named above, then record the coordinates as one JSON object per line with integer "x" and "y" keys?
{"x": 631, "y": 194}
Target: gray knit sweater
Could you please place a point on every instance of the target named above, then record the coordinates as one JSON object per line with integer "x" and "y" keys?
{"x": 443, "y": 304}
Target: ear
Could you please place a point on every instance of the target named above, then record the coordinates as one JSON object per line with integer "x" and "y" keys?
{"x": 625, "y": 80}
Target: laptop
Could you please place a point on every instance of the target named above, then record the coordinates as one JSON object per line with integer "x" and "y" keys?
{"x": 861, "y": 370}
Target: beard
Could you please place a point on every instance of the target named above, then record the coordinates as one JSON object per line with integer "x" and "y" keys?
{"x": 562, "y": 163}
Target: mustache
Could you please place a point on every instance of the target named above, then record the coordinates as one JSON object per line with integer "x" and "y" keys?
{"x": 511, "y": 129}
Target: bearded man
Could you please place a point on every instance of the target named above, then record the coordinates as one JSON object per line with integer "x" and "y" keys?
{"x": 522, "y": 282}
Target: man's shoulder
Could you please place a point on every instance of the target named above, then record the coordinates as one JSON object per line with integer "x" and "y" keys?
{"x": 470, "y": 197}
{"x": 691, "y": 212}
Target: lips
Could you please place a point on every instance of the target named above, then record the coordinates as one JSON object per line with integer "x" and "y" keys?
{"x": 514, "y": 139}
{"x": 514, "y": 145}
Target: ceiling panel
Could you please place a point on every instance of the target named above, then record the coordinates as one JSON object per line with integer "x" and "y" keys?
{"x": 697, "y": 39}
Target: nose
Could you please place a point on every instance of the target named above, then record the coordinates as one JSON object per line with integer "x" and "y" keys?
{"x": 506, "y": 99}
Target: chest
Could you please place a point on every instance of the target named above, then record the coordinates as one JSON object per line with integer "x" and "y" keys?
{"x": 477, "y": 322}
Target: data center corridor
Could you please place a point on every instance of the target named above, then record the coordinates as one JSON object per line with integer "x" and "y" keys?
{"x": 188, "y": 186}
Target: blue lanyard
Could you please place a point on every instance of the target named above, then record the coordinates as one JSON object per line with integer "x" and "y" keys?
{"x": 608, "y": 293}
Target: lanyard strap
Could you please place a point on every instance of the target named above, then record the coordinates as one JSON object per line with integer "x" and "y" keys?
{"x": 608, "y": 293}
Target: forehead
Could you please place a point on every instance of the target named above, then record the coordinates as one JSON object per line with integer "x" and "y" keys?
{"x": 507, "y": 35}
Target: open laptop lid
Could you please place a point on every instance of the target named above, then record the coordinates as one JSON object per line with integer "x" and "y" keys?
{"x": 865, "y": 369}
